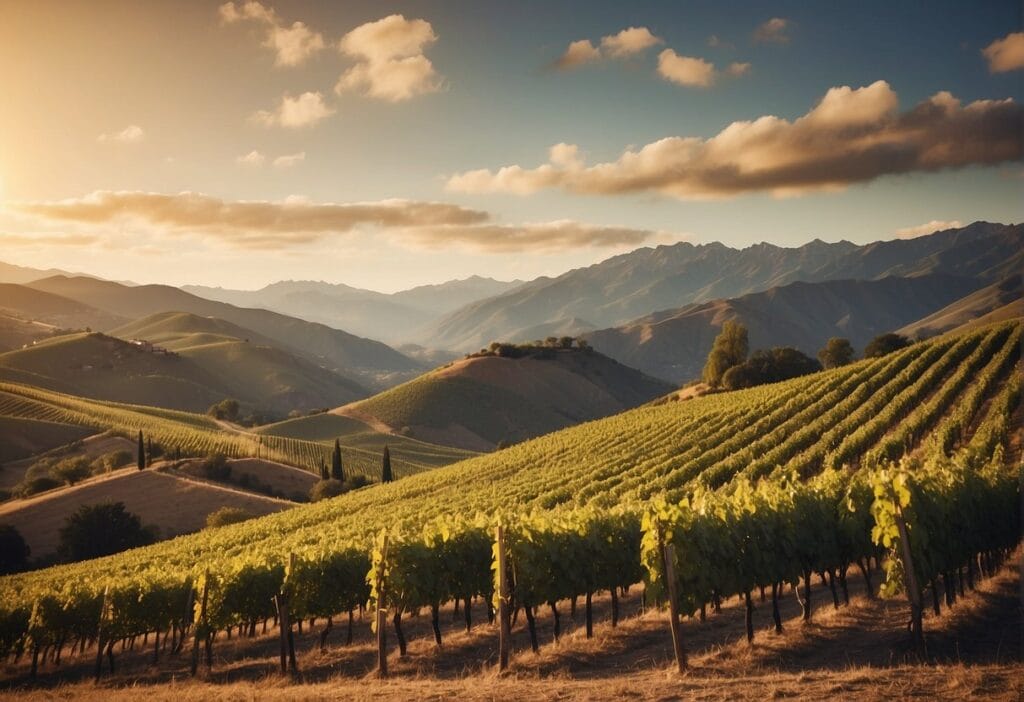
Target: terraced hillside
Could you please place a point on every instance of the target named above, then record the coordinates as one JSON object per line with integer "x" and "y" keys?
{"x": 955, "y": 393}
{"x": 200, "y": 435}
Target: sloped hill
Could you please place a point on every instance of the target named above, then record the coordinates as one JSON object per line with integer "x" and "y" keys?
{"x": 629, "y": 286}
{"x": 478, "y": 402}
{"x": 369, "y": 361}
{"x": 192, "y": 379}
{"x": 993, "y": 303}
{"x": 675, "y": 343}
{"x": 176, "y": 505}
{"x": 37, "y": 305}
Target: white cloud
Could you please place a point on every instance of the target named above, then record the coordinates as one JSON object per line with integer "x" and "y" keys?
{"x": 253, "y": 158}
{"x": 936, "y": 225}
{"x": 289, "y": 160}
{"x": 774, "y": 31}
{"x": 623, "y": 44}
{"x": 390, "y": 61}
{"x": 628, "y": 42}
{"x": 295, "y": 112}
{"x": 131, "y": 134}
{"x": 685, "y": 70}
{"x": 737, "y": 69}
{"x": 1006, "y": 54}
{"x": 292, "y": 45}
{"x": 850, "y": 136}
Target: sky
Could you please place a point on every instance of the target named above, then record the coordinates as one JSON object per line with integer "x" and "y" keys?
{"x": 388, "y": 145}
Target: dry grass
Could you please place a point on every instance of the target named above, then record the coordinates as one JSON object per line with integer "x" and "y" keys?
{"x": 859, "y": 651}
{"x": 285, "y": 479}
{"x": 175, "y": 504}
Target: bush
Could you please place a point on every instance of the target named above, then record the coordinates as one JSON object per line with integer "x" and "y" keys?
{"x": 216, "y": 467}
{"x": 14, "y": 551}
{"x": 71, "y": 470}
{"x": 885, "y": 344}
{"x": 100, "y": 530}
{"x": 357, "y": 481}
{"x": 225, "y": 409}
{"x": 33, "y": 486}
{"x": 772, "y": 366}
{"x": 325, "y": 489}
{"x": 112, "y": 461}
{"x": 227, "y": 515}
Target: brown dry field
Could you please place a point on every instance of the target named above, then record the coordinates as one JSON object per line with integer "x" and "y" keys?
{"x": 287, "y": 479}
{"x": 856, "y": 652}
{"x": 177, "y": 505}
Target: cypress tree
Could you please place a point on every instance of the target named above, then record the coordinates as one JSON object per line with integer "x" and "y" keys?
{"x": 324, "y": 475}
{"x": 385, "y": 468}
{"x": 141, "y": 458}
{"x": 149, "y": 451}
{"x": 337, "y": 472}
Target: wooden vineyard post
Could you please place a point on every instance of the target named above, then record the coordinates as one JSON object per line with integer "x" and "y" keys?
{"x": 199, "y": 627}
{"x": 505, "y": 630}
{"x": 101, "y": 632}
{"x": 913, "y": 591}
{"x": 381, "y": 615}
{"x": 284, "y": 621}
{"x": 673, "y": 609}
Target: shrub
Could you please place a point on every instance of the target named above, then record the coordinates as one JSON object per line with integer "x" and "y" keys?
{"x": 33, "y": 486}
{"x": 325, "y": 489}
{"x": 216, "y": 467}
{"x": 227, "y": 515}
{"x": 884, "y": 344}
{"x": 100, "y": 530}
{"x": 71, "y": 470}
{"x": 14, "y": 551}
{"x": 225, "y": 409}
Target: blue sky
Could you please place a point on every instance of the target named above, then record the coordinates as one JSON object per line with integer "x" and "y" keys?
{"x": 191, "y": 82}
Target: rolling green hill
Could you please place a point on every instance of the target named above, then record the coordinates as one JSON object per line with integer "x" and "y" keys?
{"x": 369, "y": 361}
{"x": 213, "y": 360}
{"x": 478, "y": 402}
{"x": 955, "y": 393}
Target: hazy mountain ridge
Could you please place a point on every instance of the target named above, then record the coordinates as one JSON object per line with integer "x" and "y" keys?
{"x": 673, "y": 344}
{"x": 631, "y": 285}
{"x": 393, "y": 317}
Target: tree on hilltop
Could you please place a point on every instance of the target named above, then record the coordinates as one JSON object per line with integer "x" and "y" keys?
{"x": 730, "y": 349}
{"x": 837, "y": 352}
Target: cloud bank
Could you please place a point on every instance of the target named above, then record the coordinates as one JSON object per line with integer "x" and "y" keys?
{"x": 294, "y": 222}
{"x": 850, "y": 136}
{"x": 390, "y": 64}
{"x": 292, "y": 45}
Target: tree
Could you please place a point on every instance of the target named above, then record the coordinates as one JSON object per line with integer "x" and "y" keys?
{"x": 14, "y": 551}
{"x": 324, "y": 474}
{"x": 101, "y": 529}
{"x": 837, "y": 352}
{"x": 565, "y": 342}
{"x": 72, "y": 470}
{"x": 227, "y": 515}
{"x": 884, "y": 344}
{"x": 337, "y": 472}
{"x": 385, "y": 468}
{"x": 140, "y": 456}
{"x": 225, "y": 409}
{"x": 324, "y": 489}
{"x": 771, "y": 366}
{"x": 729, "y": 349}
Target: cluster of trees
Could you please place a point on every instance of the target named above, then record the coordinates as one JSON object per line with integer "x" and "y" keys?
{"x": 334, "y": 482}
{"x": 102, "y": 529}
{"x": 730, "y": 365}
{"x": 543, "y": 349}
{"x": 226, "y": 409}
{"x": 52, "y": 472}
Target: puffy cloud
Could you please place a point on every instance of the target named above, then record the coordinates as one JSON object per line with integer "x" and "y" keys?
{"x": 544, "y": 237}
{"x": 850, "y": 136}
{"x": 578, "y": 53}
{"x": 253, "y": 158}
{"x": 129, "y": 135}
{"x": 390, "y": 62}
{"x": 292, "y": 45}
{"x": 246, "y": 224}
{"x": 1006, "y": 54}
{"x": 936, "y": 225}
{"x": 737, "y": 69}
{"x": 685, "y": 70}
{"x": 295, "y": 112}
{"x": 626, "y": 43}
{"x": 289, "y": 160}
{"x": 774, "y": 31}
{"x": 630, "y": 41}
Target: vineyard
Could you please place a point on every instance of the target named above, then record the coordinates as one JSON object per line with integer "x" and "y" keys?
{"x": 903, "y": 460}
{"x": 189, "y": 434}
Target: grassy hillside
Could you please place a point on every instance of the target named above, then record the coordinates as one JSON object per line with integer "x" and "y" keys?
{"x": 28, "y": 315}
{"x": 21, "y": 437}
{"x": 674, "y": 344}
{"x": 993, "y": 303}
{"x": 481, "y": 401}
{"x": 365, "y": 359}
{"x": 205, "y": 369}
{"x": 199, "y": 435}
{"x": 956, "y": 392}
